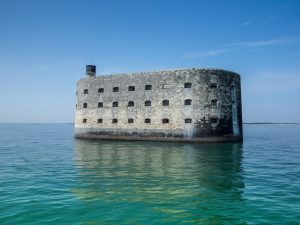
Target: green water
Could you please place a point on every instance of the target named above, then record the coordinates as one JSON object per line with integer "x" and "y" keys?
{"x": 48, "y": 177}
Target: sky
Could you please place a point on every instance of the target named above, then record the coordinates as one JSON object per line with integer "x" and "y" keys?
{"x": 45, "y": 45}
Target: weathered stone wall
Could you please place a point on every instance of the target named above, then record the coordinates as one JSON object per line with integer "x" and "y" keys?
{"x": 215, "y": 109}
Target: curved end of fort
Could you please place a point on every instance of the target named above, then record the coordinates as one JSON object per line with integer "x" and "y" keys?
{"x": 188, "y": 105}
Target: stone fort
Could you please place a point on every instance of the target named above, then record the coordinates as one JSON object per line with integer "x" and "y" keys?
{"x": 190, "y": 105}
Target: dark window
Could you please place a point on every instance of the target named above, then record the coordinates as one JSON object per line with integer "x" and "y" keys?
{"x": 148, "y": 87}
{"x": 84, "y": 120}
{"x": 214, "y": 102}
{"x": 115, "y": 104}
{"x": 100, "y": 121}
{"x": 131, "y": 88}
{"x": 115, "y": 89}
{"x": 130, "y": 120}
{"x": 100, "y": 90}
{"x": 165, "y": 102}
{"x": 165, "y": 120}
{"x": 147, "y": 120}
{"x": 86, "y": 91}
{"x": 147, "y": 103}
{"x": 188, "y": 120}
{"x": 84, "y": 105}
{"x": 214, "y": 120}
{"x": 100, "y": 104}
{"x": 187, "y": 85}
{"x": 114, "y": 120}
{"x": 130, "y": 103}
{"x": 213, "y": 85}
{"x": 76, "y": 106}
{"x": 188, "y": 102}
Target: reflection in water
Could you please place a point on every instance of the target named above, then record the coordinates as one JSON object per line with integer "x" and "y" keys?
{"x": 161, "y": 182}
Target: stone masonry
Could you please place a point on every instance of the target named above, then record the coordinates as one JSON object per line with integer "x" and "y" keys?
{"x": 197, "y": 105}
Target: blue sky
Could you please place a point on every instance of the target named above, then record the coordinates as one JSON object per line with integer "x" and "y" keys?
{"x": 45, "y": 45}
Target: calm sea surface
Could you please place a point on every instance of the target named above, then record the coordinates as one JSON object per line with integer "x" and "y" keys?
{"x": 48, "y": 177}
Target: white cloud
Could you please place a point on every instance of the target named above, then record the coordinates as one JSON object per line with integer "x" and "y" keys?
{"x": 239, "y": 45}
{"x": 247, "y": 23}
{"x": 261, "y": 43}
{"x": 193, "y": 55}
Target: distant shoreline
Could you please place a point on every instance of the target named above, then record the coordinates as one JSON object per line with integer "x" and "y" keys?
{"x": 252, "y": 123}
{"x": 265, "y": 123}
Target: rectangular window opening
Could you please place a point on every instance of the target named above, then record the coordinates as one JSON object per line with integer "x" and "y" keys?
{"x": 214, "y": 120}
{"x": 131, "y": 88}
{"x": 188, "y": 120}
{"x": 148, "y": 103}
{"x": 130, "y": 103}
{"x": 213, "y": 85}
{"x": 188, "y": 102}
{"x": 165, "y": 103}
{"x": 165, "y": 120}
{"x": 187, "y": 85}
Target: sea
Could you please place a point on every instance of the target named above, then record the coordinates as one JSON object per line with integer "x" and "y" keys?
{"x": 48, "y": 177}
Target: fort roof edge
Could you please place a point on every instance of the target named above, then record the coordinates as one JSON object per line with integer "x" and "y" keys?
{"x": 204, "y": 69}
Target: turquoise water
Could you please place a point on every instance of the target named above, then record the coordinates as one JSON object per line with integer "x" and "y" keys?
{"x": 48, "y": 177}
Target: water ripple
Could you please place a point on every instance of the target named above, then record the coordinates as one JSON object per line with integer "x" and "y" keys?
{"x": 47, "y": 177}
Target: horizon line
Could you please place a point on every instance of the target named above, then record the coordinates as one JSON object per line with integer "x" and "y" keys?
{"x": 74, "y": 123}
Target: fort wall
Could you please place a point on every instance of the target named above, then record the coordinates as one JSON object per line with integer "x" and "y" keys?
{"x": 198, "y": 105}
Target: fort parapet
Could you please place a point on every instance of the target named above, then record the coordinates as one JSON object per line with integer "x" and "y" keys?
{"x": 192, "y": 105}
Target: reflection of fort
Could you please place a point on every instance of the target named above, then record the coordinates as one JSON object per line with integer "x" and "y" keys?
{"x": 191, "y": 179}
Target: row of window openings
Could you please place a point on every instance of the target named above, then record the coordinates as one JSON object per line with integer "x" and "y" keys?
{"x": 147, "y": 87}
{"x": 165, "y": 120}
{"x": 147, "y": 103}
{"x": 214, "y": 102}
